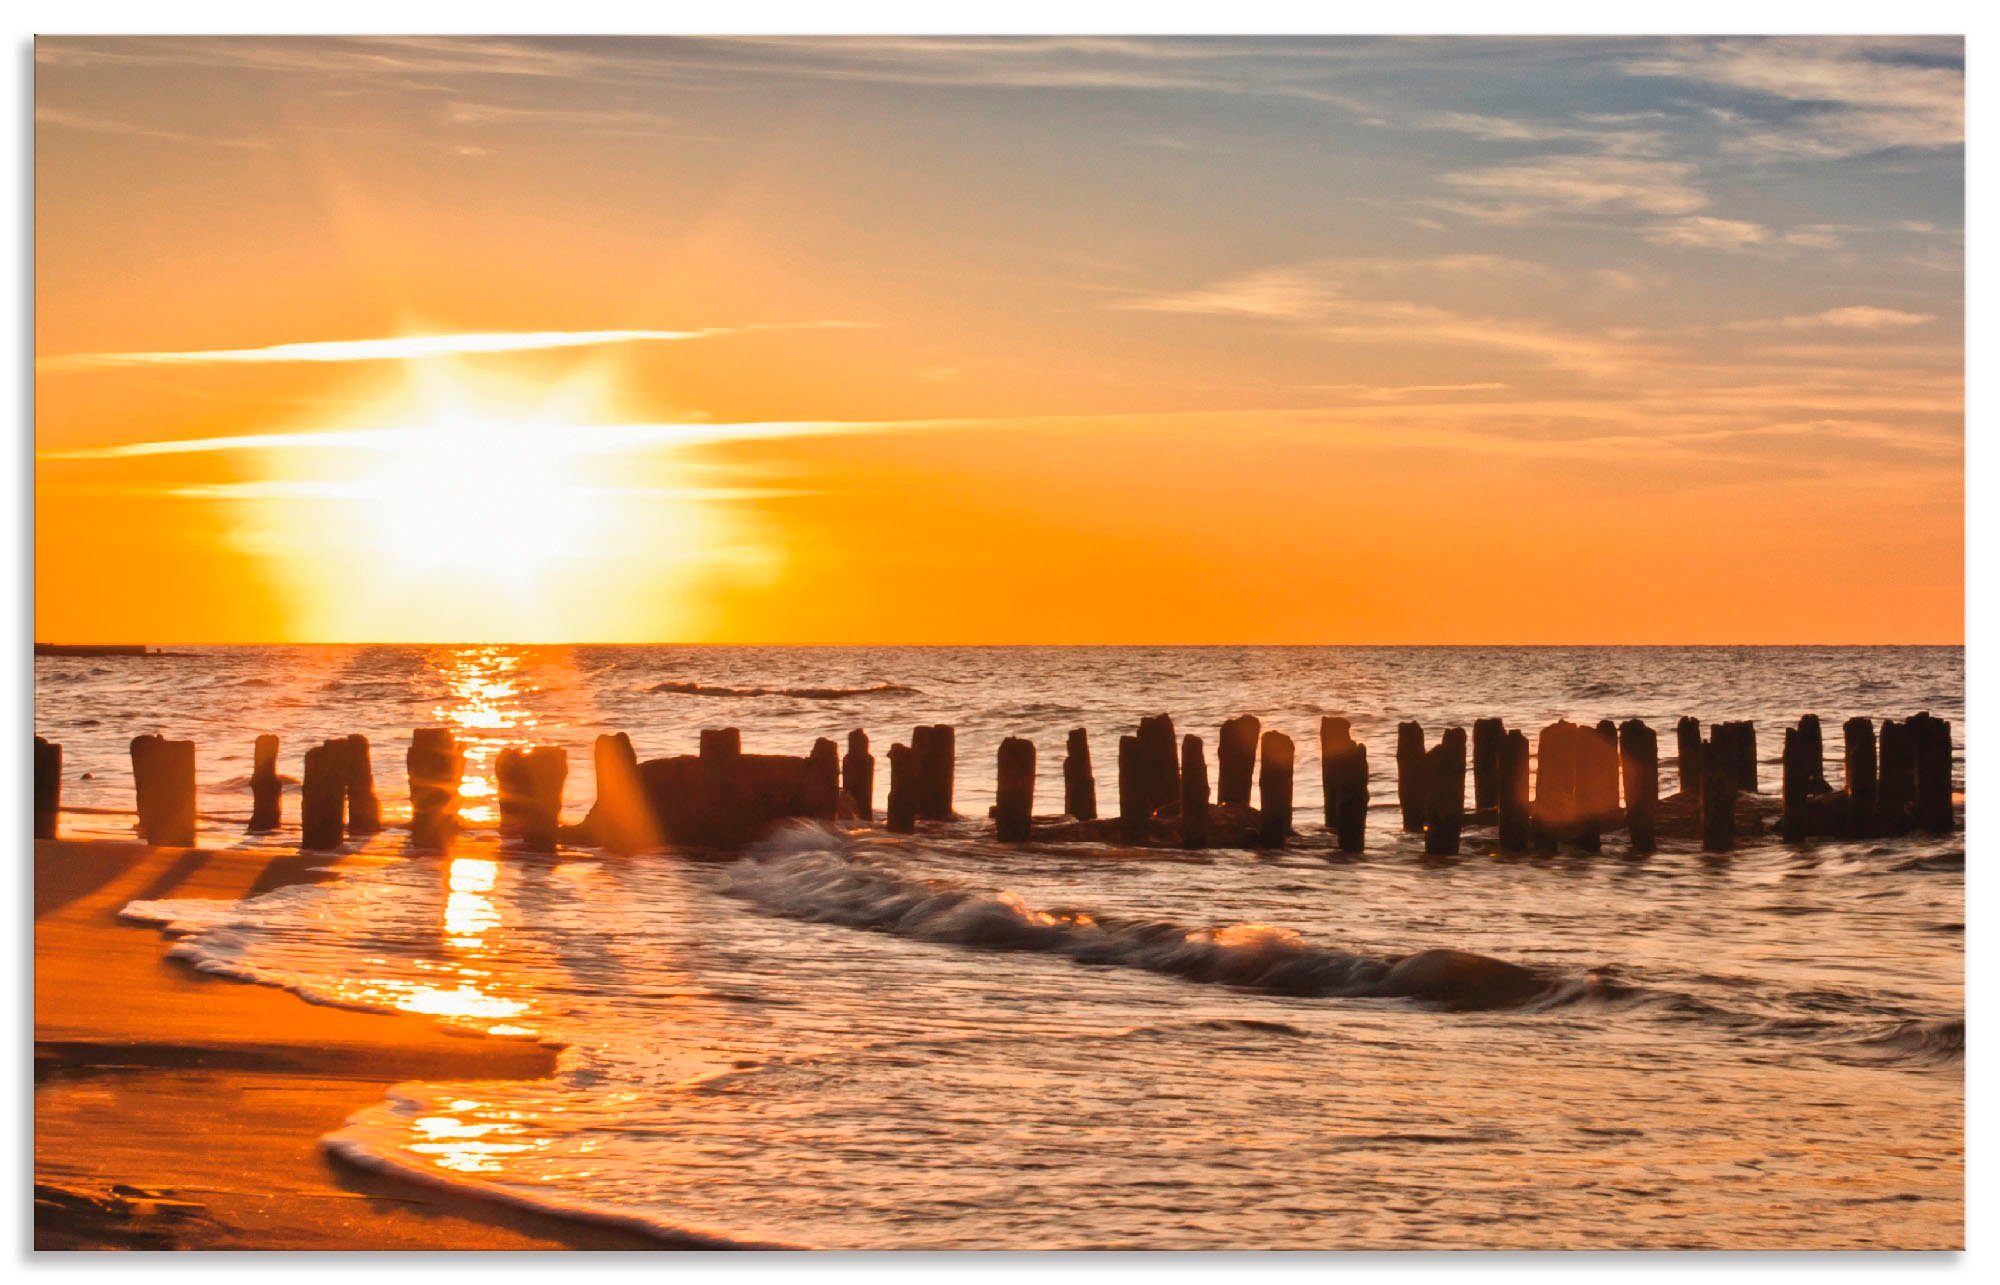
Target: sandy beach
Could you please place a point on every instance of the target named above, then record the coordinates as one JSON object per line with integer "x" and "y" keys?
{"x": 178, "y": 1111}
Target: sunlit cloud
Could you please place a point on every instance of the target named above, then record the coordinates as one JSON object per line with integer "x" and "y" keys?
{"x": 412, "y": 347}
{"x": 1857, "y": 317}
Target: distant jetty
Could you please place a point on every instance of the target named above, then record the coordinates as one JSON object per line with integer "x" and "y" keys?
{"x": 93, "y": 649}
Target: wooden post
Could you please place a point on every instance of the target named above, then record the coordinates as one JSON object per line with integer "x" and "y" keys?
{"x": 1718, "y": 794}
{"x": 1739, "y": 740}
{"x": 1513, "y": 803}
{"x": 530, "y": 782}
{"x": 1135, "y": 809}
{"x": 1159, "y": 751}
{"x": 1444, "y": 793}
{"x": 1931, "y": 741}
{"x": 1274, "y": 789}
{"x": 1596, "y": 783}
{"x": 323, "y": 797}
{"x": 822, "y": 783}
{"x": 1334, "y": 736}
{"x": 1410, "y": 775}
{"x": 436, "y": 766}
{"x": 902, "y": 804}
{"x": 857, "y": 775}
{"x": 1236, "y": 761}
{"x": 1014, "y": 790}
{"x": 1796, "y": 771}
{"x": 1079, "y": 785}
{"x": 1194, "y": 793}
{"x": 1347, "y": 784}
{"x": 1896, "y": 792}
{"x": 936, "y": 749}
{"x": 1687, "y": 747}
{"x": 1487, "y": 733}
{"x": 48, "y": 787}
{"x": 1815, "y": 753}
{"x": 1858, "y": 766}
{"x": 266, "y": 790}
{"x": 163, "y": 780}
{"x": 1555, "y": 811}
{"x": 364, "y": 811}
{"x": 622, "y": 819}
{"x": 1639, "y": 765}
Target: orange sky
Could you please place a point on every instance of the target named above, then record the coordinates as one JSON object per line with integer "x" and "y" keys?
{"x": 880, "y": 340}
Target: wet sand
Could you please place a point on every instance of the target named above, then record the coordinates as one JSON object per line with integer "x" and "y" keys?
{"x": 176, "y": 1110}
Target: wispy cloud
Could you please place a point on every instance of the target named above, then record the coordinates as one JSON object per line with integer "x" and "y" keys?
{"x": 1588, "y": 183}
{"x": 61, "y": 119}
{"x": 414, "y": 347}
{"x": 1856, "y": 317}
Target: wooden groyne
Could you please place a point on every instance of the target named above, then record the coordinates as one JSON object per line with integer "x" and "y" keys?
{"x": 1568, "y": 786}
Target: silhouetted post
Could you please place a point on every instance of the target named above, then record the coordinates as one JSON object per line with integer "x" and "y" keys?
{"x": 1194, "y": 793}
{"x": 1135, "y": 810}
{"x": 530, "y": 782}
{"x": 1896, "y": 793}
{"x": 1555, "y": 811}
{"x": 822, "y": 780}
{"x": 1931, "y": 739}
{"x": 1639, "y": 765}
{"x": 1596, "y": 783}
{"x": 1858, "y": 767}
{"x": 1014, "y": 790}
{"x": 1796, "y": 767}
{"x": 1274, "y": 789}
{"x": 1513, "y": 803}
{"x": 857, "y": 775}
{"x": 266, "y": 790}
{"x": 323, "y": 797}
{"x": 1687, "y": 746}
{"x": 1347, "y": 779}
{"x": 163, "y": 780}
{"x": 1718, "y": 795}
{"x": 1159, "y": 751}
{"x": 902, "y": 804}
{"x": 1410, "y": 775}
{"x": 436, "y": 766}
{"x": 1079, "y": 785}
{"x": 1444, "y": 793}
{"x": 1236, "y": 760}
{"x": 364, "y": 810}
{"x": 622, "y": 819}
{"x": 48, "y": 787}
{"x": 1487, "y": 733}
{"x": 1739, "y": 740}
{"x": 936, "y": 748}
{"x": 1334, "y": 735}
{"x": 1815, "y": 753}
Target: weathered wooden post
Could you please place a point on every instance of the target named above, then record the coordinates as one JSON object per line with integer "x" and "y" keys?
{"x": 1740, "y": 741}
{"x": 1487, "y": 733}
{"x": 1334, "y": 735}
{"x": 822, "y": 780}
{"x": 1796, "y": 770}
{"x": 1858, "y": 767}
{"x": 1274, "y": 789}
{"x": 1014, "y": 790}
{"x": 1159, "y": 751}
{"x": 266, "y": 789}
{"x": 1444, "y": 793}
{"x": 1931, "y": 741}
{"x": 1718, "y": 794}
{"x": 1079, "y": 785}
{"x": 1236, "y": 760}
{"x": 1596, "y": 750}
{"x": 323, "y": 797}
{"x": 530, "y": 780}
{"x": 1895, "y": 794}
{"x": 48, "y": 787}
{"x": 1555, "y": 810}
{"x": 1410, "y": 775}
{"x": 902, "y": 804}
{"x": 622, "y": 819}
{"x": 1687, "y": 748}
{"x": 1346, "y": 780}
{"x": 364, "y": 810}
{"x": 436, "y": 766}
{"x": 857, "y": 775}
{"x": 163, "y": 780}
{"x": 1814, "y": 753}
{"x": 1639, "y": 765}
{"x": 1513, "y": 803}
{"x": 1194, "y": 793}
{"x": 936, "y": 749}
{"x": 1135, "y": 809}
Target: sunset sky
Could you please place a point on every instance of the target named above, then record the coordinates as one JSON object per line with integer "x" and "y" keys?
{"x": 988, "y": 340}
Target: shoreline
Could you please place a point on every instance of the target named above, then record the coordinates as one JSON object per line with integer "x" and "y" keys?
{"x": 179, "y": 1110}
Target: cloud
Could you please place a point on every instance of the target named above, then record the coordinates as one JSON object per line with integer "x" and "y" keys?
{"x": 61, "y": 119}
{"x": 1707, "y": 233}
{"x": 412, "y": 347}
{"x": 1519, "y": 191}
{"x": 1837, "y": 97}
{"x": 1856, "y": 317}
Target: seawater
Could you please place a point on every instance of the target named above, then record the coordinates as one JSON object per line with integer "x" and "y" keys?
{"x": 849, "y": 1039}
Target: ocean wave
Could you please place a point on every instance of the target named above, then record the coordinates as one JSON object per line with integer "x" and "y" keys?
{"x": 811, "y": 873}
{"x": 676, "y": 688}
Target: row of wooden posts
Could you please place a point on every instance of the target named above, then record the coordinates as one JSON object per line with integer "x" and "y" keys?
{"x": 1892, "y": 786}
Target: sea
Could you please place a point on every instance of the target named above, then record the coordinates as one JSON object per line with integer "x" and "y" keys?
{"x": 842, "y": 1038}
